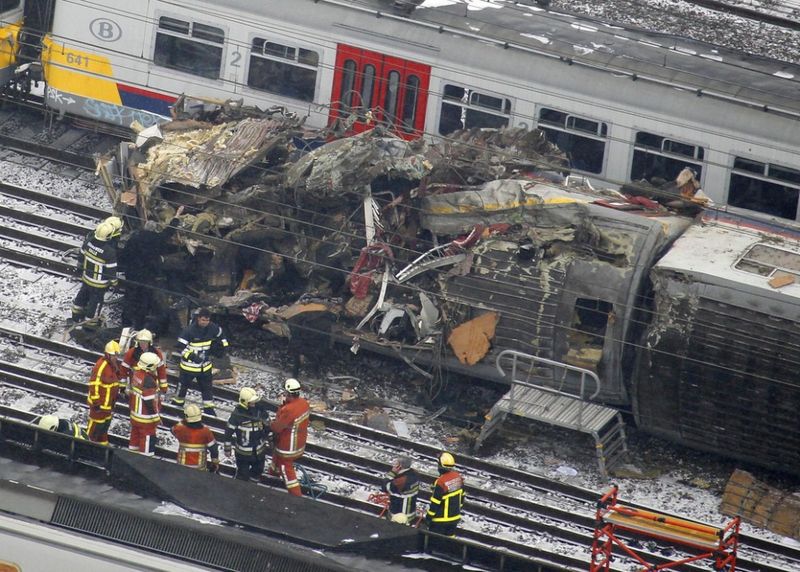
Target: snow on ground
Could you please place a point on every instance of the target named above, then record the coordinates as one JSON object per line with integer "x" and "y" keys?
{"x": 658, "y": 474}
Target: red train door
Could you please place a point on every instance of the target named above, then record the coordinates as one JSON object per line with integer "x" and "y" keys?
{"x": 371, "y": 88}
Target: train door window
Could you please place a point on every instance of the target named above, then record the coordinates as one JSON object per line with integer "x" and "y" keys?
{"x": 764, "y": 187}
{"x": 463, "y": 108}
{"x": 6, "y": 5}
{"x": 582, "y": 139}
{"x": 189, "y": 47}
{"x": 409, "y": 116}
{"x": 289, "y": 71}
{"x": 368, "y": 86}
{"x": 390, "y": 100}
{"x": 658, "y": 159}
{"x": 589, "y": 322}
{"x": 348, "y": 83}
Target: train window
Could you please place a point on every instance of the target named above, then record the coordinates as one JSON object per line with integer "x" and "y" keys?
{"x": 658, "y": 159}
{"x": 367, "y": 86}
{"x": 285, "y": 70}
{"x": 390, "y": 100}
{"x": 189, "y": 47}
{"x": 6, "y": 5}
{"x": 589, "y": 322}
{"x": 766, "y": 260}
{"x": 463, "y": 108}
{"x": 582, "y": 139}
{"x": 765, "y": 188}
{"x": 348, "y": 81}
{"x": 410, "y": 104}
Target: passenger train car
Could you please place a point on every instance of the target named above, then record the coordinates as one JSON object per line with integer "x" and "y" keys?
{"x": 11, "y": 20}
{"x": 624, "y": 104}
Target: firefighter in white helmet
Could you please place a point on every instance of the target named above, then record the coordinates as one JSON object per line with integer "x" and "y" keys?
{"x": 144, "y": 343}
{"x": 98, "y": 267}
{"x": 144, "y": 400}
{"x": 291, "y": 429}
{"x": 247, "y": 434}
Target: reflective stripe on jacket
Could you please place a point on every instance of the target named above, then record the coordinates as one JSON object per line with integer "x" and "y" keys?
{"x": 196, "y": 344}
{"x": 144, "y": 401}
{"x": 291, "y": 428}
{"x": 447, "y": 497}
{"x": 104, "y": 384}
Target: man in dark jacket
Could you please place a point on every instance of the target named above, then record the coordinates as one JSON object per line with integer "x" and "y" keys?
{"x": 402, "y": 484}
{"x": 201, "y": 339}
{"x": 141, "y": 260}
{"x": 98, "y": 267}
{"x": 247, "y": 433}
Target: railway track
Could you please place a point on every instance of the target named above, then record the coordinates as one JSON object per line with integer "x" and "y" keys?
{"x": 561, "y": 513}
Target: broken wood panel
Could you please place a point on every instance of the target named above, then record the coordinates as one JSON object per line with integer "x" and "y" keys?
{"x": 761, "y": 504}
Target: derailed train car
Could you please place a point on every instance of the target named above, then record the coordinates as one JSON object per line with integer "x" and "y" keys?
{"x": 689, "y": 319}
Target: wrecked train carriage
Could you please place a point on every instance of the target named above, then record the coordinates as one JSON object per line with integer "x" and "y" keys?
{"x": 561, "y": 277}
{"x": 717, "y": 368}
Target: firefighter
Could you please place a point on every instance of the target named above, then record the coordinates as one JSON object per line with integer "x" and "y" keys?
{"x": 144, "y": 343}
{"x": 106, "y": 382}
{"x": 447, "y": 497}
{"x": 196, "y": 441}
{"x": 98, "y": 265}
{"x": 197, "y": 343}
{"x": 145, "y": 404}
{"x": 402, "y": 484}
{"x": 53, "y": 423}
{"x": 247, "y": 435}
{"x": 290, "y": 428}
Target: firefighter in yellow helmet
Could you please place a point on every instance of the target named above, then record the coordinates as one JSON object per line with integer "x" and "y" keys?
{"x": 196, "y": 441}
{"x": 247, "y": 435}
{"x": 98, "y": 267}
{"x": 447, "y": 498}
{"x": 106, "y": 382}
{"x": 144, "y": 343}
{"x": 53, "y": 423}
{"x": 144, "y": 402}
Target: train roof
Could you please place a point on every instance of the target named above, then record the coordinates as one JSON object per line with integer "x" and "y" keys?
{"x": 730, "y": 255}
{"x": 631, "y": 53}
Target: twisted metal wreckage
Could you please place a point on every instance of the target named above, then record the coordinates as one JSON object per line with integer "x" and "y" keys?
{"x": 400, "y": 245}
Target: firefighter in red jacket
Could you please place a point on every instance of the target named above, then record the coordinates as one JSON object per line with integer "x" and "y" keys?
{"x": 145, "y": 404}
{"x": 447, "y": 497}
{"x": 196, "y": 441}
{"x": 290, "y": 428}
{"x": 105, "y": 383}
{"x": 144, "y": 343}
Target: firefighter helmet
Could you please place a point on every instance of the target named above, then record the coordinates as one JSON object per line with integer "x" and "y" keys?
{"x": 144, "y": 336}
{"x": 116, "y": 225}
{"x": 192, "y": 413}
{"x": 447, "y": 460}
{"x": 149, "y": 361}
{"x": 104, "y": 231}
{"x": 112, "y": 348}
{"x": 291, "y": 385}
{"x": 247, "y": 396}
{"x": 49, "y": 422}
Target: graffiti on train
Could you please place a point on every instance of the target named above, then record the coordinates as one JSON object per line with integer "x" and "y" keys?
{"x": 101, "y": 111}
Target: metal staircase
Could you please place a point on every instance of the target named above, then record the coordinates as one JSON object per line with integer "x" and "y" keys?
{"x": 539, "y": 399}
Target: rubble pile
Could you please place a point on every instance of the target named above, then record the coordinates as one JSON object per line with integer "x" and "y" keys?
{"x": 363, "y": 236}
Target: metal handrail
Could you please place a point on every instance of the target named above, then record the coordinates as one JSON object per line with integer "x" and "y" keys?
{"x": 515, "y": 356}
